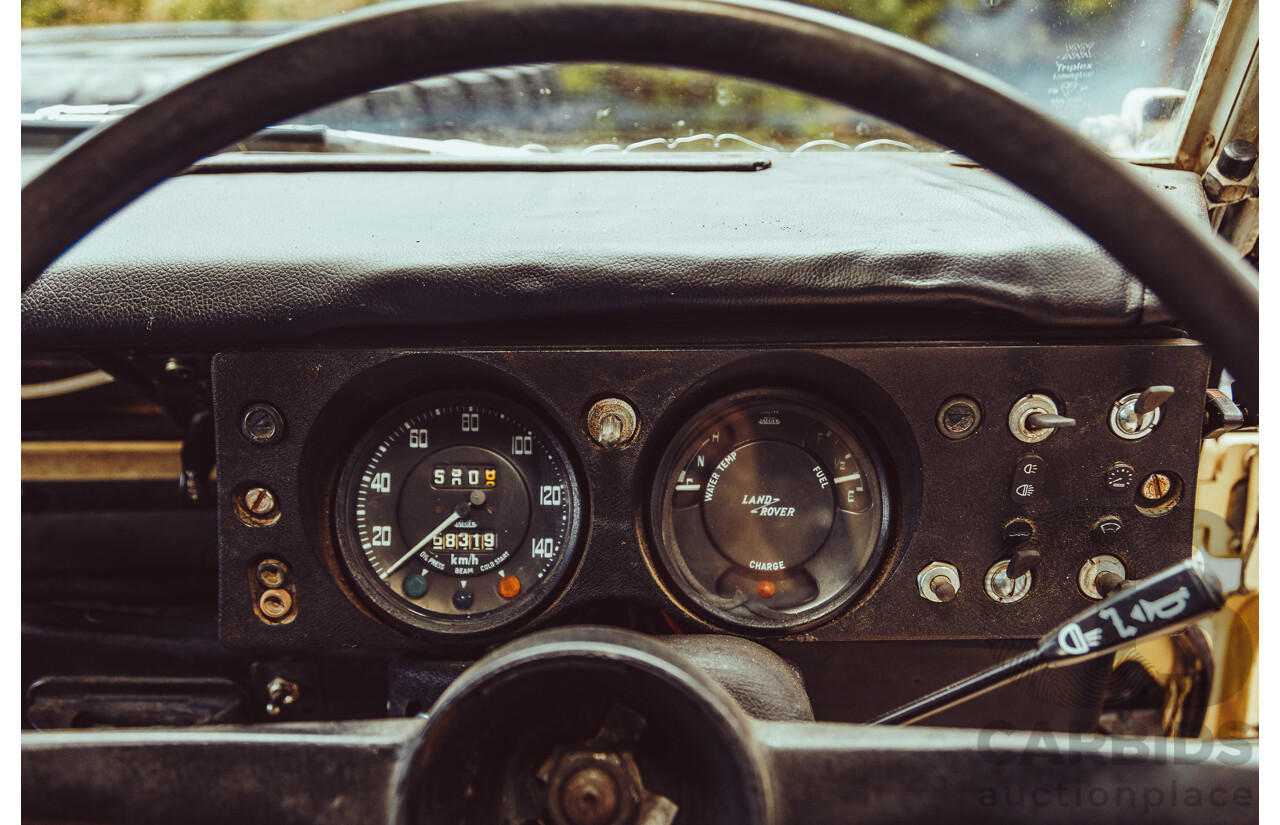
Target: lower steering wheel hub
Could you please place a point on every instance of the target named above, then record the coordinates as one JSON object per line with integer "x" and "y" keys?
{"x": 588, "y": 726}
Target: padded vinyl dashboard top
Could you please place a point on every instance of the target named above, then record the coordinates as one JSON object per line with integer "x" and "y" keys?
{"x": 215, "y": 259}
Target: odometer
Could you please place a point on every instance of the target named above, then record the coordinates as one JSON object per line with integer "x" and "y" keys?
{"x": 457, "y": 513}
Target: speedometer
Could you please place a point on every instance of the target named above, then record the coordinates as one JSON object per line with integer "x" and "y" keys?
{"x": 770, "y": 511}
{"x": 457, "y": 513}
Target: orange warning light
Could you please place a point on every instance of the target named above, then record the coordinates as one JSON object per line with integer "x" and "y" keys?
{"x": 509, "y": 587}
{"x": 766, "y": 589}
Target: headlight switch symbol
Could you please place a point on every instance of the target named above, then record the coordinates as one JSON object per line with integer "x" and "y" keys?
{"x": 1030, "y": 476}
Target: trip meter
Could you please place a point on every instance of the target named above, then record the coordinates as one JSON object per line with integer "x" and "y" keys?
{"x": 457, "y": 513}
{"x": 769, "y": 511}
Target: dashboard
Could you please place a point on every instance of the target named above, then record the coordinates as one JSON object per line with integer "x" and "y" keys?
{"x": 617, "y": 484}
{"x": 888, "y": 313}
{"x": 442, "y": 500}
{"x": 596, "y": 346}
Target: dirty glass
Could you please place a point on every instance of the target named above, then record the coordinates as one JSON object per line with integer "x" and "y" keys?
{"x": 1118, "y": 71}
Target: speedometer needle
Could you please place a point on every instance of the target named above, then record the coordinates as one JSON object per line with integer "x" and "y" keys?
{"x": 458, "y": 512}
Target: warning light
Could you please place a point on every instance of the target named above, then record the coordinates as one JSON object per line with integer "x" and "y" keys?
{"x": 509, "y": 587}
{"x": 766, "y": 589}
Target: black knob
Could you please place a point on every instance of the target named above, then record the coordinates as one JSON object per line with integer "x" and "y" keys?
{"x": 1221, "y": 415}
{"x": 1107, "y": 582}
{"x": 942, "y": 588}
{"x": 1237, "y": 159}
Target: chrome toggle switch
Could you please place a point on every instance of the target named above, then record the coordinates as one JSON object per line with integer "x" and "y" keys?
{"x": 1135, "y": 415}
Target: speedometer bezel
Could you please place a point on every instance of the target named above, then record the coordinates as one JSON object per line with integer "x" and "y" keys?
{"x": 666, "y": 562}
{"x": 365, "y": 585}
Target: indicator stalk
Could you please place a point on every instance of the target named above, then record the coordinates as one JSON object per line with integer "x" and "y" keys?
{"x": 1155, "y": 606}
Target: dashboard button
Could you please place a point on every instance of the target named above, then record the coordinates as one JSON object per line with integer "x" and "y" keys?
{"x": 959, "y": 417}
{"x": 1029, "y": 477}
{"x": 1120, "y": 477}
{"x": 1018, "y": 532}
{"x": 1107, "y": 529}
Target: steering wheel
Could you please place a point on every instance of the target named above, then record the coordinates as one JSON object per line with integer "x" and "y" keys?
{"x": 1198, "y": 276}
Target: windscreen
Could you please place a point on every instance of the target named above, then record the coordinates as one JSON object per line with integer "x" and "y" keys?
{"x": 1121, "y": 72}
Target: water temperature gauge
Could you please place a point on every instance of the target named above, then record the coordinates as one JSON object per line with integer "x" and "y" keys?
{"x": 769, "y": 511}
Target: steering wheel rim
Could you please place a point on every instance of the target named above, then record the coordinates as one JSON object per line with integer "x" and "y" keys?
{"x": 1194, "y": 272}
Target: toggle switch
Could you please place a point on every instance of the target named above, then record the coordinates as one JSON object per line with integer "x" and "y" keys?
{"x": 1151, "y": 399}
{"x": 1135, "y": 415}
{"x": 939, "y": 582}
{"x": 1101, "y": 575}
{"x": 1000, "y": 588}
{"x": 1035, "y": 416}
{"x": 1048, "y": 421}
{"x": 1022, "y": 559}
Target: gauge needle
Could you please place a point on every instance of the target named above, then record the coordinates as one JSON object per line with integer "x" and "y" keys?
{"x": 458, "y": 512}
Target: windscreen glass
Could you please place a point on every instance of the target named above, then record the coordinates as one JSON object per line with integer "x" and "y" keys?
{"x": 1119, "y": 71}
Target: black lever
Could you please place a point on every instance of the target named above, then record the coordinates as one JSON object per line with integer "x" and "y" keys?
{"x": 1151, "y": 398}
{"x": 1022, "y": 559}
{"x": 1140, "y": 610}
{"x": 1049, "y": 421}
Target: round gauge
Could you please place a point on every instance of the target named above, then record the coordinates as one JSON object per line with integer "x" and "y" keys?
{"x": 770, "y": 511}
{"x": 457, "y": 513}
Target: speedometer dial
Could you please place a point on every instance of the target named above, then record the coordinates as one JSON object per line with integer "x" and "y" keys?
{"x": 457, "y": 513}
{"x": 770, "y": 511}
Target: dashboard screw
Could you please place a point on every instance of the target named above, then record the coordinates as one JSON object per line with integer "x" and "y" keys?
{"x": 1156, "y": 486}
{"x": 281, "y": 692}
{"x": 589, "y": 797}
{"x": 179, "y": 370}
{"x": 262, "y": 424}
{"x": 271, "y": 573}
{"x": 275, "y": 604}
{"x": 959, "y": 417}
{"x": 259, "y": 501}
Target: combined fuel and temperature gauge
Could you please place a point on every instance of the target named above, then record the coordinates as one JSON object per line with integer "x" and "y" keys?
{"x": 769, "y": 511}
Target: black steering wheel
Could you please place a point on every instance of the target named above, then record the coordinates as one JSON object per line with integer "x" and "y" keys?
{"x": 786, "y": 768}
{"x": 1196, "y": 274}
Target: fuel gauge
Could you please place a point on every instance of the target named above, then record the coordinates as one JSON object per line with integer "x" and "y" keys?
{"x": 769, "y": 511}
